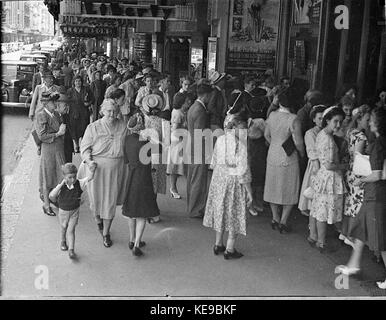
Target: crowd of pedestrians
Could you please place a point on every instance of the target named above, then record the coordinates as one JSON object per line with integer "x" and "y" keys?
{"x": 273, "y": 153}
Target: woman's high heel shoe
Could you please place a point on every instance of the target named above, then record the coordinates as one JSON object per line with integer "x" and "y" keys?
{"x": 348, "y": 271}
{"x": 232, "y": 255}
{"x": 274, "y": 225}
{"x": 284, "y": 228}
{"x": 141, "y": 244}
{"x": 218, "y": 249}
{"x": 311, "y": 242}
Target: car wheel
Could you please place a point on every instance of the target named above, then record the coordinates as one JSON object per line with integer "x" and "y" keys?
{"x": 5, "y": 96}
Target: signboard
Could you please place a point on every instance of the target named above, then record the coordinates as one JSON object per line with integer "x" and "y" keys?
{"x": 253, "y": 35}
{"x": 88, "y": 31}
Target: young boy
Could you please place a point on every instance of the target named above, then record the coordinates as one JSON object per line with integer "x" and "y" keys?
{"x": 68, "y": 195}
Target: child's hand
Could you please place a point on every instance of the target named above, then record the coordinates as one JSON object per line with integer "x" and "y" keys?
{"x": 63, "y": 182}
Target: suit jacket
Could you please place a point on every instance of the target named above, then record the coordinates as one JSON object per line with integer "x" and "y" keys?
{"x": 36, "y": 80}
{"x": 217, "y": 107}
{"x": 198, "y": 118}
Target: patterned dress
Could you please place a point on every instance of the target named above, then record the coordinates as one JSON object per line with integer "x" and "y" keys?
{"x": 327, "y": 204}
{"x": 355, "y": 194}
{"x": 227, "y": 206}
{"x": 309, "y": 139}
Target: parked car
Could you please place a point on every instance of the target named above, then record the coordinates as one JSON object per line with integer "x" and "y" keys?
{"x": 43, "y": 52}
{"x": 38, "y": 58}
{"x": 16, "y": 82}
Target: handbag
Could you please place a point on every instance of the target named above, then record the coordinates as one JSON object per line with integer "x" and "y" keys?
{"x": 361, "y": 166}
{"x": 289, "y": 146}
{"x": 36, "y": 138}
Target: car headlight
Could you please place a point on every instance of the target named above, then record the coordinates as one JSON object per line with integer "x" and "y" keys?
{"x": 24, "y": 92}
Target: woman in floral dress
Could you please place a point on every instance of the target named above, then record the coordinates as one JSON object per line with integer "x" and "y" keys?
{"x": 230, "y": 192}
{"x": 313, "y": 162}
{"x": 357, "y": 142}
{"x": 327, "y": 203}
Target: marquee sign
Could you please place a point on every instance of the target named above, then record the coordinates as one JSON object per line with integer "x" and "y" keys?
{"x": 88, "y": 31}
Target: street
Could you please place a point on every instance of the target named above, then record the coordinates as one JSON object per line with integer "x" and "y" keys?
{"x": 178, "y": 259}
{"x": 16, "y": 127}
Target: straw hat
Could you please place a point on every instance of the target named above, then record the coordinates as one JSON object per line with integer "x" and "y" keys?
{"x": 216, "y": 77}
{"x": 152, "y": 101}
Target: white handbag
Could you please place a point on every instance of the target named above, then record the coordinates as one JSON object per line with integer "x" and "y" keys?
{"x": 361, "y": 165}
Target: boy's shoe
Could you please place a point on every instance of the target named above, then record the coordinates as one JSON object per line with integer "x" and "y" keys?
{"x": 71, "y": 254}
{"x": 63, "y": 246}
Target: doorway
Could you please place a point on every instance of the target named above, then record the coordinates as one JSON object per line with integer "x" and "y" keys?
{"x": 177, "y": 59}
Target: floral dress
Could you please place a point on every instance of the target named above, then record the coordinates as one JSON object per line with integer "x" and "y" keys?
{"x": 227, "y": 204}
{"x": 327, "y": 204}
{"x": 310, "y": 139}
{"x": 355, "y": 194}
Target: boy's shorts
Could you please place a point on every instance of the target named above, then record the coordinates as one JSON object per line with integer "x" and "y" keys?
{"x": 68, "y": 217}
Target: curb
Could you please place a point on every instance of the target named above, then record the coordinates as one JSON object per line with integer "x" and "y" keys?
{"x": 13, "y": 195}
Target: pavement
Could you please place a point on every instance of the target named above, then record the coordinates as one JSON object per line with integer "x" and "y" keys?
{"x": 178, "y": 260}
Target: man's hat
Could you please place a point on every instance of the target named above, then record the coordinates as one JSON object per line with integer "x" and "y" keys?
{"x": 48, "y": 74}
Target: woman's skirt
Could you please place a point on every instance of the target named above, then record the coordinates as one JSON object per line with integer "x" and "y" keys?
{"x": 140, "y": 199}
{"x": 282, "y": 184}
{"x": 258, "y": 150}
{"x": 51, "y": 161}
{"x": 369, "y": 225}
{"x": 327, "y": 207}
{"x": 175, "y": 160}
{"x": 107, "y": 188}
{"x": 305, "y": 203}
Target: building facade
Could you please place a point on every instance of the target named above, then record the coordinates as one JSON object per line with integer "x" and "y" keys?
{"x": 26, "y": 21}
{"x": 320, "y": 44}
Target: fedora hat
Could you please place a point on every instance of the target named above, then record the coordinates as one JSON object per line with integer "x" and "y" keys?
{"x": 152, "y": 101}
{"x": 215, "y": 77}
{"x": 48, "y": 74}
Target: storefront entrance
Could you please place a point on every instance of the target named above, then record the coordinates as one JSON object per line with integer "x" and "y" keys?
{"x": 177, "y": 58}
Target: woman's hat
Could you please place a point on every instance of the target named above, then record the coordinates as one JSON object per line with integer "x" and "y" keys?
{"x": 139, "y": 76}
{"x": 216, "y": 77}
{"x": 152, "y": 101}
{"x": 136, "y": 123}
{"x": 47, "y": 96}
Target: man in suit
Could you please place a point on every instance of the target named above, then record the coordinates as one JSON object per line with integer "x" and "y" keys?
{"x": 37, "y": 77}
{"x": 198, "y": 118}
{"x": 217, "y": 105}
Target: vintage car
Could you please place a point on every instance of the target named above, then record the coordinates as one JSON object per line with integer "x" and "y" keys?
{"x": 43, "y": 52}
{"x": 16, "y": 82}
{"x": 38, "y": 58}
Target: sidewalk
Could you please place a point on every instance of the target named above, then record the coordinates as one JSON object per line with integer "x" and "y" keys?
{"x": 178, "y": 257}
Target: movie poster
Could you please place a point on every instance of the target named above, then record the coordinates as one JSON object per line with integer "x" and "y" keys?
{"x": 253, "y": 35}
